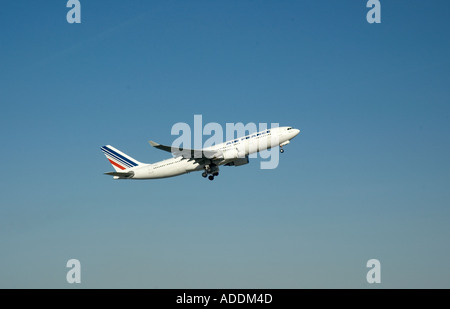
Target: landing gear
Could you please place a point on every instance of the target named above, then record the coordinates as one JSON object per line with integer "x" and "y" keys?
{"x": 281, "y": 150}
{"x": 212, "y": 170}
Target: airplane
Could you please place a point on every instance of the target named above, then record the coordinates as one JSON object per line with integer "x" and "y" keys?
{"x": 231, "y": 153}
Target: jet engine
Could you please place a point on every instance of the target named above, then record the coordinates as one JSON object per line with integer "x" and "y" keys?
{"x": 233, "y": 153}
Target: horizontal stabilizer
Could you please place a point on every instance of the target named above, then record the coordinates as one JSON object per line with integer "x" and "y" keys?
{"x": 121, "y": 174}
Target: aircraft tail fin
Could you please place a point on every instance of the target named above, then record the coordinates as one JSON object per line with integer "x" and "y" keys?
{"x": 118, "y": 159}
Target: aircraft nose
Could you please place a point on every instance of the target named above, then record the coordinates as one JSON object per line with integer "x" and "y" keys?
{"x": 295, "y": 131}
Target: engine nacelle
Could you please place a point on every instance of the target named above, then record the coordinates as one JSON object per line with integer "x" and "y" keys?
{"x": 233, "y": 153}
{"x": 238, "y": 161}
{"x": 230, "y": 154}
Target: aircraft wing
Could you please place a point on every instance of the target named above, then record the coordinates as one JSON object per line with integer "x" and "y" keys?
{"x": 188, "y": 153}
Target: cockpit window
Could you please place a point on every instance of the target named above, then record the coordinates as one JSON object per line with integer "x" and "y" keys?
{"x": 289, "y": 128}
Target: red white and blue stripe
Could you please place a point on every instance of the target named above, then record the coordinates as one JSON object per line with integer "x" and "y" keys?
{"x": 118, "y": 159}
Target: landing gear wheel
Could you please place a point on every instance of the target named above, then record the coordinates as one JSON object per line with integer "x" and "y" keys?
{"x": 281, "y": 150}
{"x": 204, "y": 174}
{"x": 216, "y": 174}
{"x": 211, "y": 177}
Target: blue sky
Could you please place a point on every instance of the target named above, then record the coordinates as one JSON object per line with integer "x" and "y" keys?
{"x": 368, "y": 177}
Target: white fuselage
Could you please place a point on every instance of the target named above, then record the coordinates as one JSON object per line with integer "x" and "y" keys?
{"x": 232, "y": 150}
